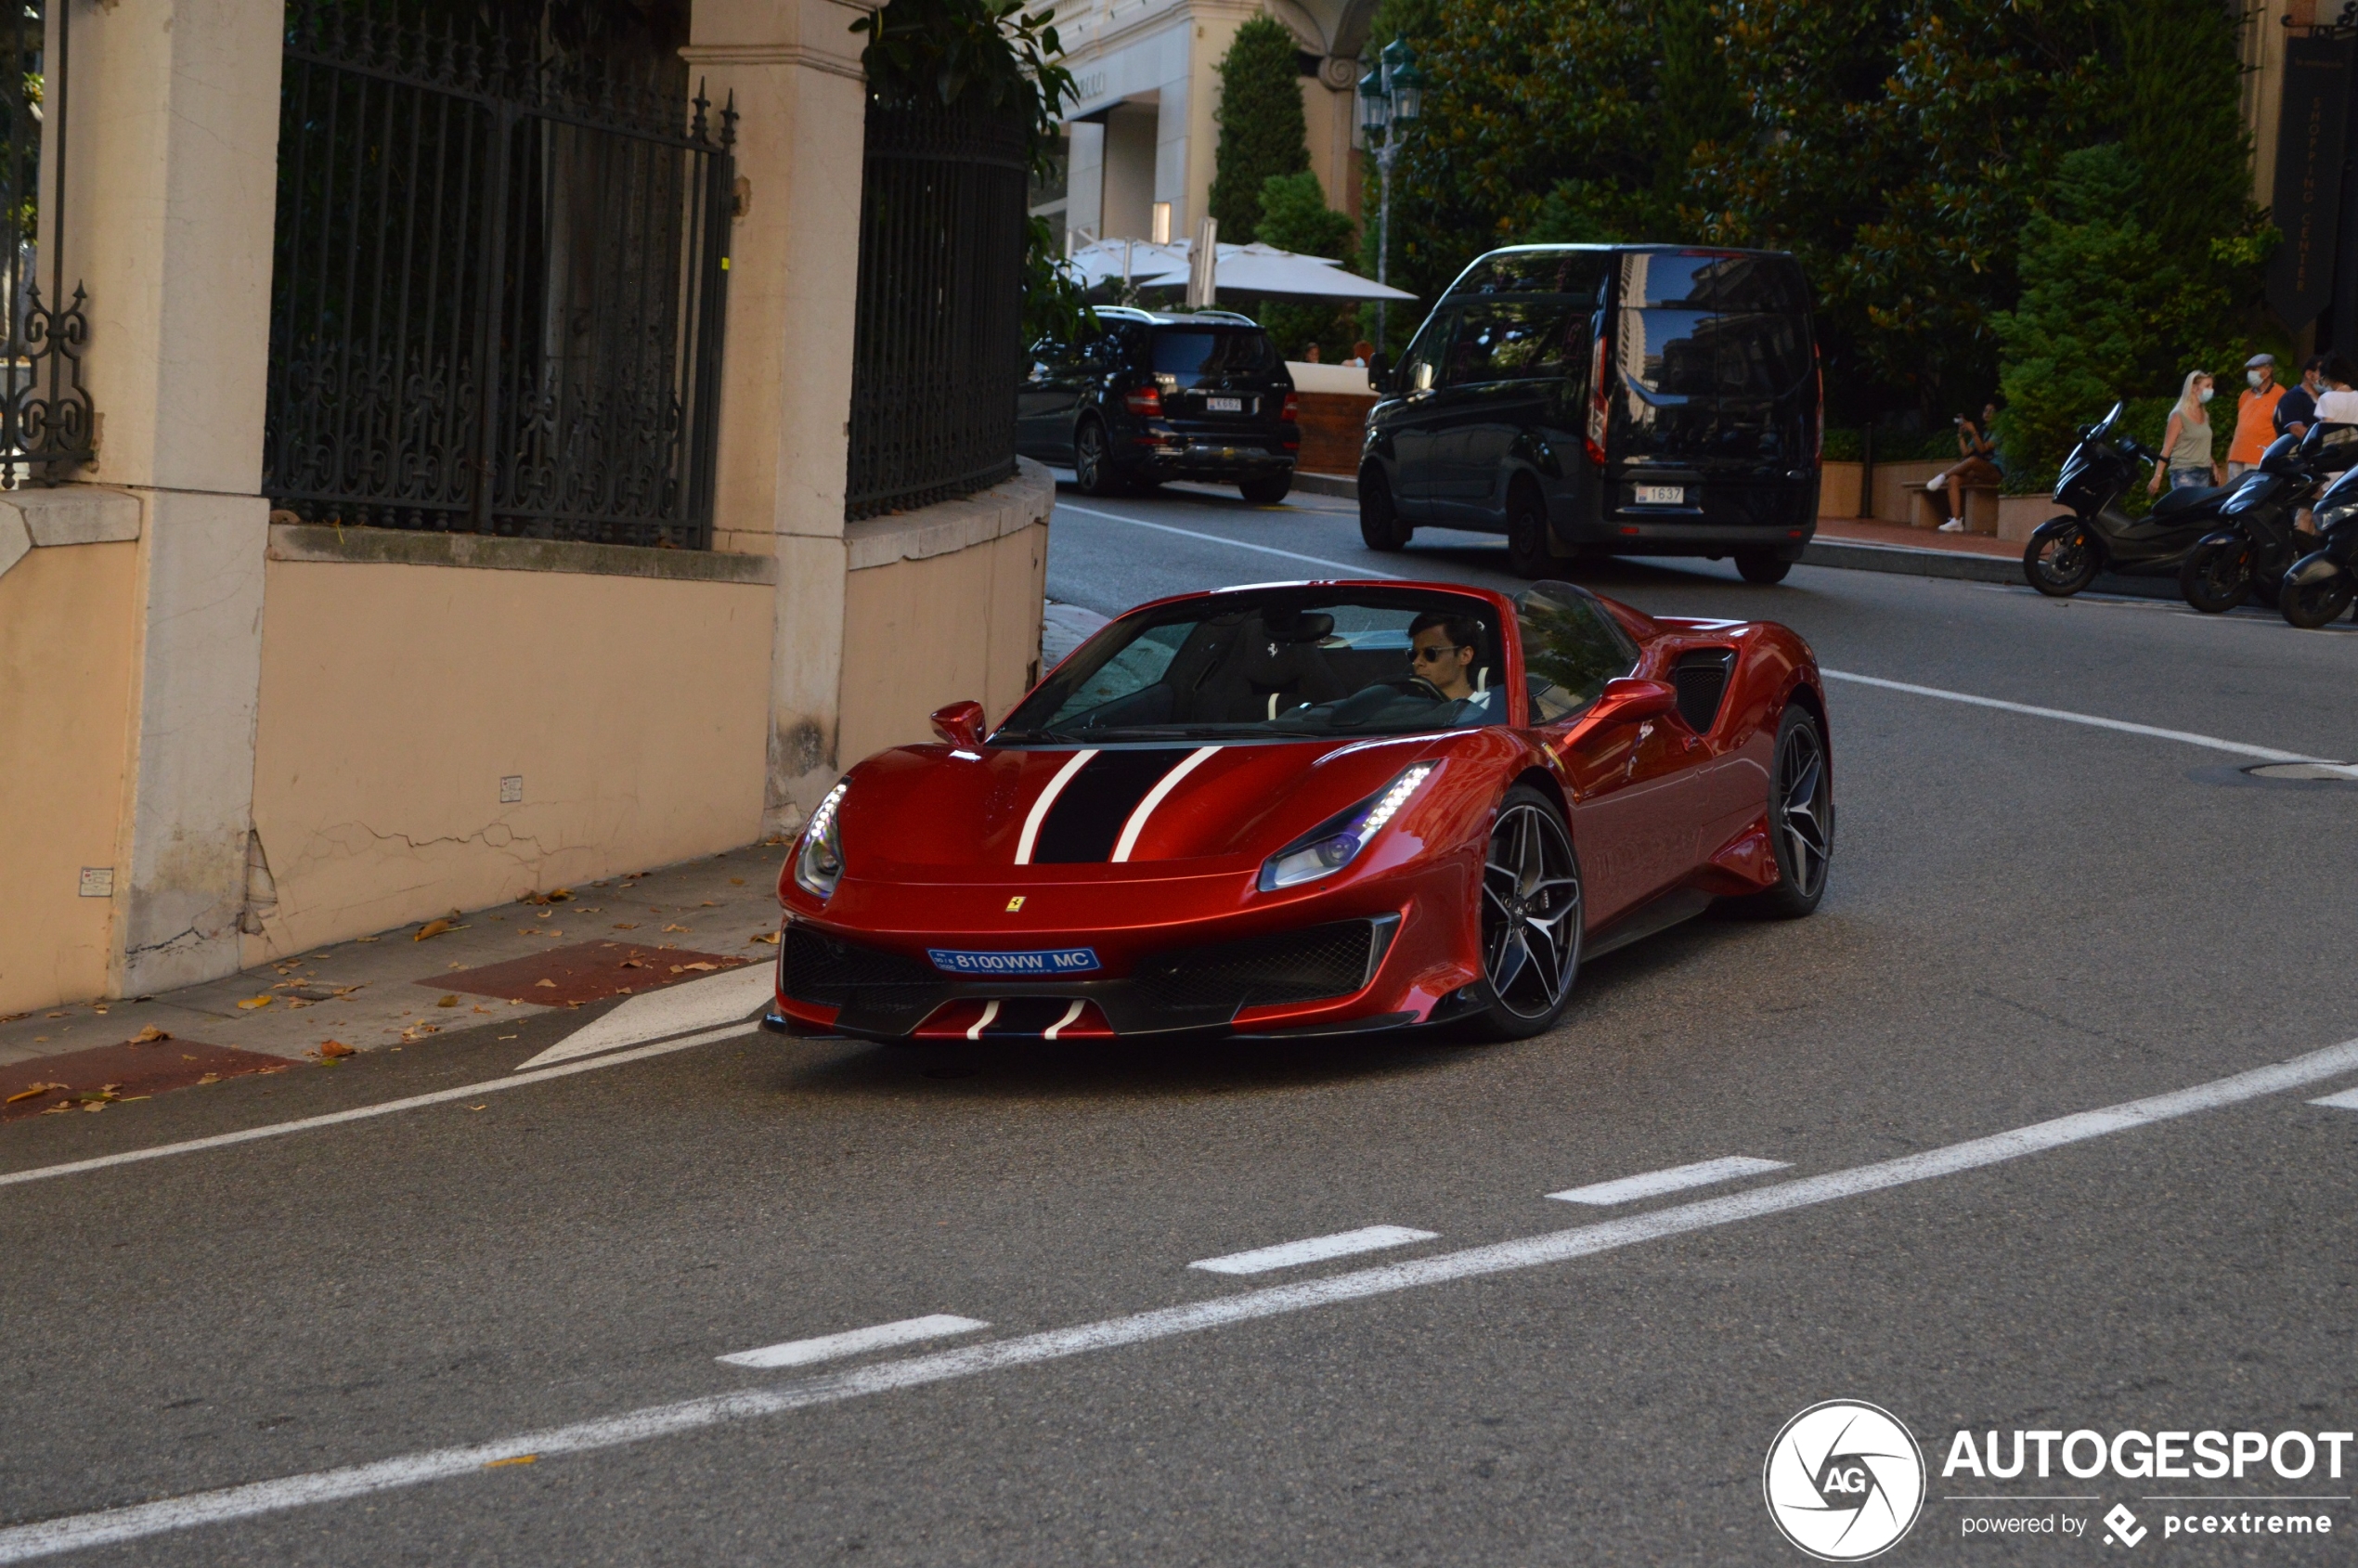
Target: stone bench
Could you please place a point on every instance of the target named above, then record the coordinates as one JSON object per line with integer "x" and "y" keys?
{"x": 1981, "y": 506}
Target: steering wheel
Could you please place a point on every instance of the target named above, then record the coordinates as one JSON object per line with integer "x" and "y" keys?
{"x": 1417, "y": 686}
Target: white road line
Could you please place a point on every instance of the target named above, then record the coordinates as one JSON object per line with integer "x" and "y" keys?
{"x": 852, "y": 1341}
{"x": 1677, "y": 1179}
{"x": 1317, "y": 1249}
{"x": 1047, "y": 799}
{"x": 2346, "y": 1100}
{"x": 2266, "y": 754}
{"x": 1137, "y": 823}
{"x": 361, "y": 1113}
{"x": 1346, "y": 567}
{"x": 705, "y": 1002}
{"x": 75, "y": 1531}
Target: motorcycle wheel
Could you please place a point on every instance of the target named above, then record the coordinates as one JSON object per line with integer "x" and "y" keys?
{"x": 2217, "y": 578}
{"x": 2061, "y": 566}
{"x": 2311, "y": 605}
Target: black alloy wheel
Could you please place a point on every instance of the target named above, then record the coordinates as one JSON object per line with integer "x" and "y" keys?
{"x": 2217, "y": 575}
{"x": 1759, "y": 566}
{"x": 1267, "y": 490}
{"x": 1527, "y": 555}
{"x": 2310, "y": 605}
{"x": 1801, "y": 819}
{"x": 1531, "y": 916}
{"x": 1093, "y": 460}
{"x": 2061, "y": 566}
{"x": 1380, "y": 527}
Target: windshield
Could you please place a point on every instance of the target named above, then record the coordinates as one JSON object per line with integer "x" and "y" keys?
{"x": 1279, "y": 663}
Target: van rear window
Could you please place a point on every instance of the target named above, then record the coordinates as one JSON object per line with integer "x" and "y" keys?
{"x": 1198, "y": 355}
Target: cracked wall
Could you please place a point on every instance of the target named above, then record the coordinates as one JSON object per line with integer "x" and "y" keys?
{"x": 395, "y": 698}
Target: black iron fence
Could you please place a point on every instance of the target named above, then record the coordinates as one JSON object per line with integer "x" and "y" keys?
{"x": 47, "y": 426}
{"x": 500, "y": 272}
{"x": 938, "y": 349}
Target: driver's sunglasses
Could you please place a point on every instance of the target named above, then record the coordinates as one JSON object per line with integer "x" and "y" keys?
{"x": 1435, "y": 653}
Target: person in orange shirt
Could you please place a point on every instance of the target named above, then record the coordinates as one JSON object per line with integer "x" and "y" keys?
{"x": 2255, "y": 416}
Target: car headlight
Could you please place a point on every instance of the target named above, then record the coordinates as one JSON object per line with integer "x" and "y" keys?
{"x": 818, "y": 862}
{"x": 1335, "y": 842}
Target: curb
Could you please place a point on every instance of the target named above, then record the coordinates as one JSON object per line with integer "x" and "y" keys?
{"x": 1343, "y": 485}
{"x": 1956, "y": 564}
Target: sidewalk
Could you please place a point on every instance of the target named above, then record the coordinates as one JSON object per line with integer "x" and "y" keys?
{"x": 506, "y": 964}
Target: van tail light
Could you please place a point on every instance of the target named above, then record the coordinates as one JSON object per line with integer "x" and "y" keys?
{"x": 1143, "y": 401}
{"x": 1594, "y": 438}
{"x": 1292, "y": 409}
{"x": 1818, "y": 363}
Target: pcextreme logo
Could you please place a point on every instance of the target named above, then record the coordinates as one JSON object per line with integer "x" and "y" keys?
{"x": 1845, "y": 1480}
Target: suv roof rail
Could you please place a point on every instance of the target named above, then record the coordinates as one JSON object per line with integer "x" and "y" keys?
{"x": 1208, "y": 313}
{"x": 1124, "y": 312}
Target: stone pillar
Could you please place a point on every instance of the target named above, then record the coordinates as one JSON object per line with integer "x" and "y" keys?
{"x": 1085, "y": 185}
{"x": 169, "y": 195}
{"x": 786, "y": 401}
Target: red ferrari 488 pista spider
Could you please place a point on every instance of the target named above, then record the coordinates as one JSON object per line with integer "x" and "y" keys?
{"x": 1308, "y": 809}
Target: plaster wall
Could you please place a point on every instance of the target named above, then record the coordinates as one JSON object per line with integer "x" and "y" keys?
{"x": 1127, "y": 208}
{"x": 397, "y": 697}
{"x": 66, "y": 677}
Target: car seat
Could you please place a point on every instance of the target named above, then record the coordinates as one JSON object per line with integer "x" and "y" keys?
{"x": 1274, "y": 666}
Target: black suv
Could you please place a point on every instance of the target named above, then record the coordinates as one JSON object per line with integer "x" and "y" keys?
{"x": 1154, "y": 396}
{"x": 1606, "y": 399}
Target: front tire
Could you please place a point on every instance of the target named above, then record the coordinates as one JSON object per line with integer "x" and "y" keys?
{"x": 2310, "y": 605}
{"x": 1531, "y": 915}
{"x": 2217, "y": 576}
{"x": 1266, "y": 491}
{"x": 1380, "y": 525}
{"x": 2062, "y": 564}
{"x": 1801, "y": 820}
{"x": 1757, "y": 567}
{"x": 1093, "y": 460}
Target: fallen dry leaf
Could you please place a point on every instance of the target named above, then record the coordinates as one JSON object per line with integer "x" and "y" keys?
{"x": 631, "y": 964}
{"x": 210, "y": 1078}
{"x": 478, "y": 1107}
{"x": 550, "y": 984}
{"x": 769, "y": 937}
{"x": 736, "y": 881}
{"x": 676, "y": 928}
{"x": 447, "y": 1002}
{"x": 148, "y": 1036}
{"x": 331, "y": 1049}
{"x": 297, "y": 1002}
{"x": 251, "y": 1002}
{"x": 514, "y": 1459}
{"x": 36, "y": 1092}
{"x": 628, "y": 926}
{"x": 708, "y": 904}
{"x": 693, "y": 969}
{"x": 430, "y": 928}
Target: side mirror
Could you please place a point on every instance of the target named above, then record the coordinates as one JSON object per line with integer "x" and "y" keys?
{"x": 1628, "y": 701}
{"x": 961, "y": 725}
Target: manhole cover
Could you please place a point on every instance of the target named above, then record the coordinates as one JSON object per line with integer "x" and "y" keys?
{"x": 2337, "y": 772}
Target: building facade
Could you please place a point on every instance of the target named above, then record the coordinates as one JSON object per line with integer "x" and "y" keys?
{"x": 1145, "y": 127}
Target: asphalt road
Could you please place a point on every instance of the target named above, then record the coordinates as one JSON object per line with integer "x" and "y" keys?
{"x": 2029, "y": 918}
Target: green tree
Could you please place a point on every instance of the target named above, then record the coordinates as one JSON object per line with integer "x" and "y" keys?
{"x": 1262, "y": 129}
{"x": 1294, "y": 217}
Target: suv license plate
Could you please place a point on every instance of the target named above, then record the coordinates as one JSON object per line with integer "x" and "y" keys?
{"x": 1662, "y": 495}
{"x": 1224, "y": 405}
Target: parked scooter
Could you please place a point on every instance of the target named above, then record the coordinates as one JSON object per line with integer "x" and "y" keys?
{"x": 2323, "y": 583}
{"x": 2246, "y": 556}
{"x": 2066, "y": 553}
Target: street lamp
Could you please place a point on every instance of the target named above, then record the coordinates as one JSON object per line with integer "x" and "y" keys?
{"x": 1390, "y": 97}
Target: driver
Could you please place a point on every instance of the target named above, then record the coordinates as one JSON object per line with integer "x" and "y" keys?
{"x": 1441, "y": 650}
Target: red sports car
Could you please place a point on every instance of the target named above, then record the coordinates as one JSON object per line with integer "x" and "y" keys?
{"x": 1305, "y": 808}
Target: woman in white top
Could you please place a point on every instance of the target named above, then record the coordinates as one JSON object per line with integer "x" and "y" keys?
{"x": 2186, "y": 444}
{"x": 2338, "y": 404}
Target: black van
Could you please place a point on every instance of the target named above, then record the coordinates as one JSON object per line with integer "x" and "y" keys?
{"x": 1155, "y": 395}
{"x": 1624, "y": 399}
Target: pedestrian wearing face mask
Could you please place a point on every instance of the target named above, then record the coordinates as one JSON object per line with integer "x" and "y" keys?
{"x": 2338, "y": 404}
{"x": 2185, "y": 443}
{"x": 2255, "y": 416}
{"x": 2298, "y": 406}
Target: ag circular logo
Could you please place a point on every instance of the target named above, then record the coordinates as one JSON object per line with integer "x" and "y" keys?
{"x": 1845, "y": 1480}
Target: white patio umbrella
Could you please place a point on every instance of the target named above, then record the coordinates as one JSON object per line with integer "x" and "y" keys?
{"x": 1258, "y": 272}
{"x": 1093, "y": 264}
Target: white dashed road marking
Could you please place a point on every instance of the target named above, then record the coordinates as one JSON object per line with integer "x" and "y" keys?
{"x": 852, "y": 1341}
{"x": 1628, "y": 1189}
{"x": 1317, "y": 1249}
{"x": 2346, "y": 1100}
{"x": 707, "y": 1003}
{"x": 76, "y": 1531}
{"x": 2266, "y": 754}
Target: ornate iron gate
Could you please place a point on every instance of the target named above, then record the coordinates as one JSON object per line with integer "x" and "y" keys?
{"x": 499, "y": 286}
{"x": 47, "y": 426}
{"x": 938, "y": 349}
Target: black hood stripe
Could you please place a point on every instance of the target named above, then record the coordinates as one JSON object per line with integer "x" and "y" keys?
{"x": 1086, "y": 818}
